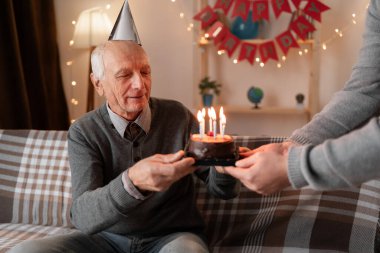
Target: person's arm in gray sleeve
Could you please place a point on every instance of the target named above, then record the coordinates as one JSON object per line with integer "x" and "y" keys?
{"x": 359, "y": 100}
{"x": 343, "y": 162}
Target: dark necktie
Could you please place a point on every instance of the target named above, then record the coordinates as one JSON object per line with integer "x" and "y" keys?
{"x": 132, "y": 131}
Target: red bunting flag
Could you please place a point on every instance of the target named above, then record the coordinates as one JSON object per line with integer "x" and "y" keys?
{"x": 207, "y": 16}
{"x": 301, "y": 26}
{"x": 296, "y": 3}
{"x": 229, "y": 43}
{"x": 268, "y": 51}
{"x": 241, "y": 9}
{"x": 280, "y": 6}
{"x": 314, "y": 8}
{"x": 260, "y": 10}
{"x": 225, "y": 5}
{"x": 247, "y": 52}
{"x": 286, "y": 40}
{"x": 217, "y": 32}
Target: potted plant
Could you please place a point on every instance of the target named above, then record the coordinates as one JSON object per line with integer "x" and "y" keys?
{"x": 208, "y": 88}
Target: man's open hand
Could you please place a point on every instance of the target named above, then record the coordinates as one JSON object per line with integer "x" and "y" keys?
{"x": 159, "y": 172}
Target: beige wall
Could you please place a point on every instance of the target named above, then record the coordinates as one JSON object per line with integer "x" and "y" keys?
{"x": 173, "y": 54}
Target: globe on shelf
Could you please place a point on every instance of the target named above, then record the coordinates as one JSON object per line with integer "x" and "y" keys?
{"x": 255, "y": 95}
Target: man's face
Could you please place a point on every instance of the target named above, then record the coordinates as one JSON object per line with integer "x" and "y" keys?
{"x": 127, "y": 81}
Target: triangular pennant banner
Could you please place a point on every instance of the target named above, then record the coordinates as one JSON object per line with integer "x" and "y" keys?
{"x": 241, "y": 9}
{"x": 229, "y": 43}
{"x": 296, "y": 3}
{"x": 314, "y": 8}
{"x": 225, "y": 5}
{"x": 217, "y": 32}
{"x": 268, "y": 51}
{"x": 260, "y": 10}
{"x": 207, "y": 16}
{"x": 286, "y": 40}
{"x": 301, "y": 26}
{"x": 248, "y": 52}
{"x": 280, "y": 6}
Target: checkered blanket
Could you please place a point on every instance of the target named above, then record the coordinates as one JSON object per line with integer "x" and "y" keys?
{"x": 35, "y": 201}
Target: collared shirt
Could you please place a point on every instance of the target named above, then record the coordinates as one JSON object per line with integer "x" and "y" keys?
{"x": 143, "y": 120}
{"x": 120, "y": 124}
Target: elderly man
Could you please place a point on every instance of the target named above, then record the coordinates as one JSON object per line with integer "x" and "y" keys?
{"x": 132, "y": 189}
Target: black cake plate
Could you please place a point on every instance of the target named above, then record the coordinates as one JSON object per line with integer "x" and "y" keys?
{"x": 214, "y": 161}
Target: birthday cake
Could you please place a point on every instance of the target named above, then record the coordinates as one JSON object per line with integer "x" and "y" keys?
{"x": 209, "y": 150}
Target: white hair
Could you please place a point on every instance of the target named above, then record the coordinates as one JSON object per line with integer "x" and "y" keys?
{"x": 97, "y": 63}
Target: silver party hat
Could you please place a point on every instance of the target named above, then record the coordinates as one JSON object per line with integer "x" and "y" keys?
{"x": 124, "y": 28}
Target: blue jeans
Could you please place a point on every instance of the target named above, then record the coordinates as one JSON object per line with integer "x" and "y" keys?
{"x": 181, "y": 242}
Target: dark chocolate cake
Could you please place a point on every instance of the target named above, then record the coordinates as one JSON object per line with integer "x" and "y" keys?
{"x": 212, "y": 151}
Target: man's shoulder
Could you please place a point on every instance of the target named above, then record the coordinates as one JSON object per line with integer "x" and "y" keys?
{"x": 166, "y": 102}
{"x": 90, "y": 120}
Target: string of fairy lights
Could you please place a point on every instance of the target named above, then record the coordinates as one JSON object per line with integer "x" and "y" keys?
{"x": 337, "y": 33}
{"x": 187, "y": 19}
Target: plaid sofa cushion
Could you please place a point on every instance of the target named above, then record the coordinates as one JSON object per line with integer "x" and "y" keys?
{"x": 35, "y": 182}
{"x": 12, "y": 234}
{"x": 305, "y": 220}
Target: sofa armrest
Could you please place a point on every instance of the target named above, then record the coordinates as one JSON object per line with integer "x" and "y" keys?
{"x": 35, "y": 178}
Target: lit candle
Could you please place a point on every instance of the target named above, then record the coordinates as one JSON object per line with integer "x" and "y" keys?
{"x": 209, "y": 120}
{"x": 213, "y": 117}
{"x": 222, "y": 122}
{"x": 201, "y": 124}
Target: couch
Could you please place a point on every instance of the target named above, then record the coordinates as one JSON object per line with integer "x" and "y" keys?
{"x": 35, "y": 202}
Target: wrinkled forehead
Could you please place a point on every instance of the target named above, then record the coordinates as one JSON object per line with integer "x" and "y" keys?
{"x": 124, "y": 52}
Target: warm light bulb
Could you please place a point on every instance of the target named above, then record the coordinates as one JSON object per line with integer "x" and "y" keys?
{"x": 69, "y": 63}
{"x": 181, "y": 15}
{"x": 236, "y": 61}
{"x": 191, "y": 25}
{"x": 108, "y": 6}
{"x": 73, "y": 83}
{"x": 207, "y": 35}
{"x": 300, "y": 53}
{"x": 257, "y": 59}
{"x": 262, "y": 64}
{"x": 71, "y": 42}
{"x": 324, "y": 47}
{"x": 283, "y": 58}
{"x": 306, "y": 50}
{"x": 279, "y": 65}
{"x": 73, "y": 22}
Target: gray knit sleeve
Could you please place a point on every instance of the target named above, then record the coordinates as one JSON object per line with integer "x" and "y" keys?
{"x": 343, "y": 162}
{"x": 351, "y": 107}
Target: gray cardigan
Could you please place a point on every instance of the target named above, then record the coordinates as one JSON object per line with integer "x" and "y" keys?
{"x": 343, "y": 141}
{"x": 98, "y": 155}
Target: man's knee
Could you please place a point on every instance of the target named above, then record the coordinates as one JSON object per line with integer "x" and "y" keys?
{"x": 185, "y": 243}
{"x": 30, "y": 246}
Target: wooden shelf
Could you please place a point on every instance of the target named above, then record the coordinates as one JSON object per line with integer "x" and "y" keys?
{"x": 235, "y": 109}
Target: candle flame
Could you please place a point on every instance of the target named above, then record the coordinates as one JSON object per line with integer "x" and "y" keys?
{"x": 200, "y": 116}
{"x": 221, "y": 112}
{"x": 212, "y": 113}
{"x": 223, "y": 119}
